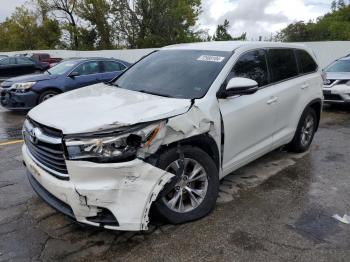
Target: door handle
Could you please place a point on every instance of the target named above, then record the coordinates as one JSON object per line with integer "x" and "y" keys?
{"x": 272, "y": 100}
{"x": 305, "y": 86}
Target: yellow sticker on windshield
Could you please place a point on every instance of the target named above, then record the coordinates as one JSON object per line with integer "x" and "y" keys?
{"x": 211, "y": 58}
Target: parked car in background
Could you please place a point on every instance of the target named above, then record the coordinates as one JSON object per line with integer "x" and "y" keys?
{"x": 27, "y": 91}
{"x": 336, "y": 86}
{"x": 45, "y": 58}
{"x": 162, "y": 135}
{"x": 17, "y": 66}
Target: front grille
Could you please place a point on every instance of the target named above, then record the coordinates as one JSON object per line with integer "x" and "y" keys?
{"x": 331, "y": 82}
{"x": 332, "y": 97}
{"x": 49, "y": 155}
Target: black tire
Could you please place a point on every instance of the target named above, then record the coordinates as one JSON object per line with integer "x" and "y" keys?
{"x": 46, "y": 95}
{"x": 298, "y": 145}
{"x": 208, "y": 201}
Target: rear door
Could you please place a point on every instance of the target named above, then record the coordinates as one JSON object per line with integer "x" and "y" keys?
{"x": 249, "y": 120}
{"x": 88, "y": 74}
{"x": 111, "y": 69}
{"x": 288, "y": 87}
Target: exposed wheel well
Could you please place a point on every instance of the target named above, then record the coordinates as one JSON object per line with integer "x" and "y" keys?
{"x": 317, "y": 106}
{"x": 204, "y": 142}
{"x": 59, "y": 91}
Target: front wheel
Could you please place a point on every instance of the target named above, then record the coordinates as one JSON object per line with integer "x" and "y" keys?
{"x": 46, "y": 95}
{"x": 305, "y": 132}
{"x": 193, "y": 191}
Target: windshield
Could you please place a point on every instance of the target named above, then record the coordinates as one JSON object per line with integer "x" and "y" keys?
{"x": 339, "y": 66}
{"x": 175, "y": 73}
{"x": 63, "y": 67}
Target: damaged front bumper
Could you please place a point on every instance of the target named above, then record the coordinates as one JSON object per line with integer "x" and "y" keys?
{"x": 115, "y": 196}
{"x": 18, "y": 101}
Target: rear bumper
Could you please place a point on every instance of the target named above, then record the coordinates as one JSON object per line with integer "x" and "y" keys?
{"x": 18, "y": 101}
{"x": 115, "y": 196}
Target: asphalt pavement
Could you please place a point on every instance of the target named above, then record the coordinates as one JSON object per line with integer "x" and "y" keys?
{"x": 278, "y": 208}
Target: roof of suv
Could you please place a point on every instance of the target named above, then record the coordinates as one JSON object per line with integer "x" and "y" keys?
{"x": 231, "y": 45}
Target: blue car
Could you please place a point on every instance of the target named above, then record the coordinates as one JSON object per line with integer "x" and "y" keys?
{"x": 25, "y": 92}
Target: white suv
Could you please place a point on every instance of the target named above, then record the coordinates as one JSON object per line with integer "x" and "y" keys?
{"x": 162, "y": 135}
{"x": 336, "y": 87}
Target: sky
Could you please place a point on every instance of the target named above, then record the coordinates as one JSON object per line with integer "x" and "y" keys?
{"x": 259, "y": 17}
{"x": 255, "y": 17}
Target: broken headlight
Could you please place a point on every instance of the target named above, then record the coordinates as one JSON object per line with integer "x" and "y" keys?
{"x": 107, "y": 148}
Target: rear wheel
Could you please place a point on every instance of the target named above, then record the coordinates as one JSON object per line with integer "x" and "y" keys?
{"x": 47, "y": 95}
{"x": 193, "y": 191}
{"x": 305, "y": 132}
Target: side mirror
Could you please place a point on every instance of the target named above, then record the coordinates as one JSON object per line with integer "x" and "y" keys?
{"x": 74, "y": 74}
{"x": 241, "y": 86}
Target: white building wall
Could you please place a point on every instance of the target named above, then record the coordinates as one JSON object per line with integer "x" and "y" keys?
{"x": 326, "y": 52}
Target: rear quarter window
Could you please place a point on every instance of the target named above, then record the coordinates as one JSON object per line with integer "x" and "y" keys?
{"x": 283, "y": 64}
{"x": 306, "y": 63}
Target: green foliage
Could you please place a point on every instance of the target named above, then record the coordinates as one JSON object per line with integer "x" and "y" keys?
{"x": 155, "y": 23}
{"x": 222, "y": 33}
{"x": 333, "y": 26}
{"x": 96, "y": 12}
{"x": 23, "y": 32}
{"x": 106, "y": 24}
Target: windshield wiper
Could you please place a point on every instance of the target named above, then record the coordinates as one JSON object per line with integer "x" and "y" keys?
{"x": 48, "y": 72}
{"x": 152, "y": 93}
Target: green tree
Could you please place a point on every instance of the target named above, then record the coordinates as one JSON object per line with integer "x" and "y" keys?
{"x": 221, "y": 33}
{"x": 332, "y": 26}
{"x": 155, "y": 23}
{"x": 65, "y": 10}
{"x": 97, "y": 13}
{"x": 23, "y": 32}
{"x": 341, "y": 4}
{"x": 334, "y": 5}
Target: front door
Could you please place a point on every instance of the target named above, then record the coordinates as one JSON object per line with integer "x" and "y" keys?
{"x": 249, "y": 120}
{"x": 88, "y": 73}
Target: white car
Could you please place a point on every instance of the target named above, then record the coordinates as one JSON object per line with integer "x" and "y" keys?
{"x": 336, "y": 87}
{"x": 162, "y": 135}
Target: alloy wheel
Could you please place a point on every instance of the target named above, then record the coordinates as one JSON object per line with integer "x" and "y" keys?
{"x": 307, "y": 130}
{"x": 191, "y": 187}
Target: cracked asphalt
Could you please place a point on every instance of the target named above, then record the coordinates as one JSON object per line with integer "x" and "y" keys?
{"x": 278, "y": 208}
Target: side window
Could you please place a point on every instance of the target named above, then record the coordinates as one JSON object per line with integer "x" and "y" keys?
{"x": 112, "y": 66}
{"x": 252, "y": 65}
{"x": 283, "y": 64}
{"x": 306, "y": 62}
{"x": 24, "y": 61}
{"x": 88, "y": 68}
{"x": 12, "y": 61}
{"x": 5, "y": 61}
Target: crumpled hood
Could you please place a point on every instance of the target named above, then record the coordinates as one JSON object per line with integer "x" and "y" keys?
{"x": 337, "y": 76}
{"x": 100, "y": 107}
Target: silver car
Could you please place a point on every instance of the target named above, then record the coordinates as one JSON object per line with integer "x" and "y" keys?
{"x": 336, "y": 86}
